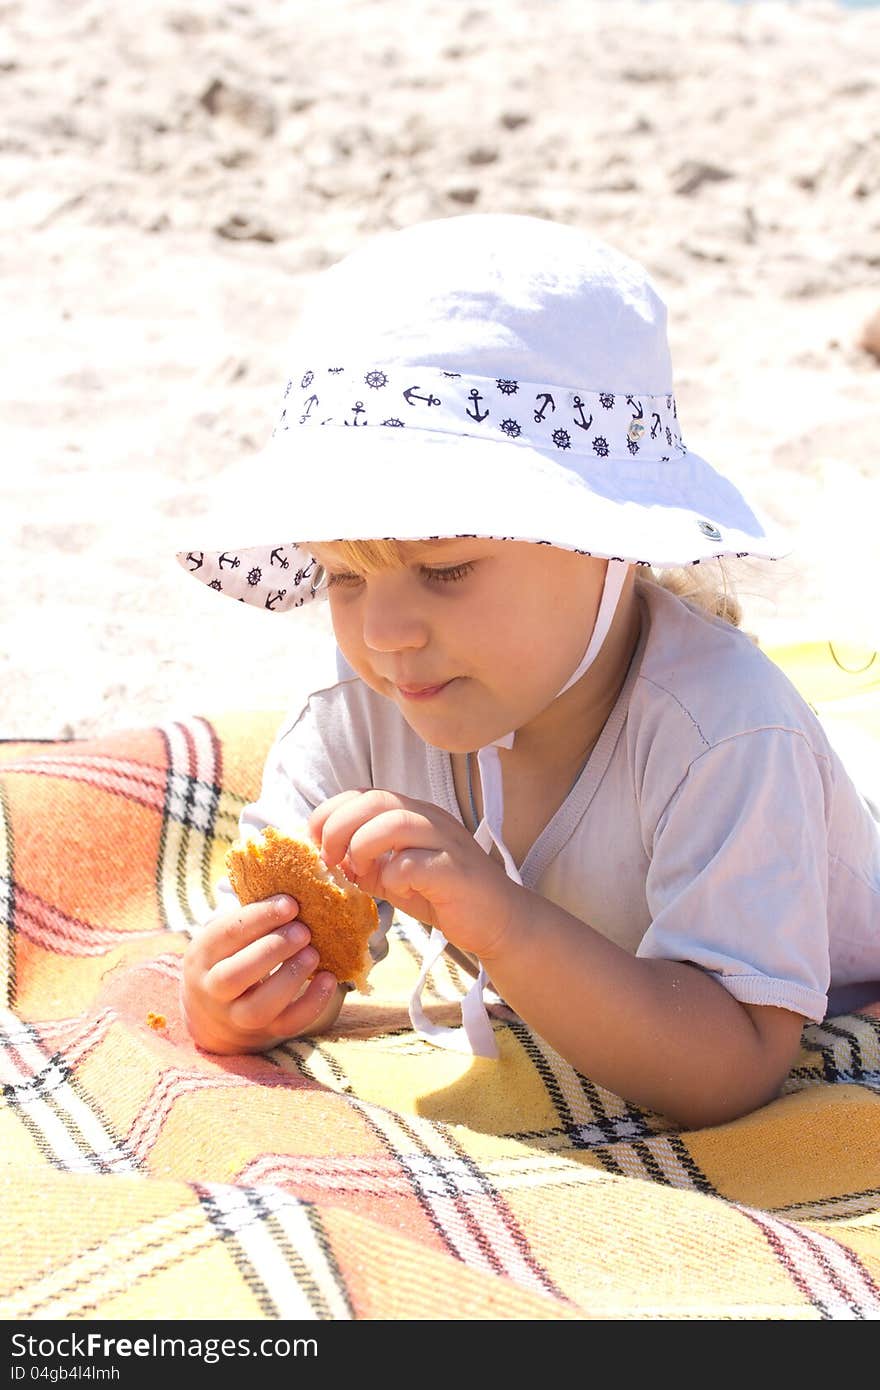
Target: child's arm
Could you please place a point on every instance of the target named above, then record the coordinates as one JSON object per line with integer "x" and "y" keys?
{"x": 661, "y": 1033}
{"x": 658, "y": 1032}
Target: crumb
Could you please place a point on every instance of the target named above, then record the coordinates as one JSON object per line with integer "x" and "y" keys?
{"x": 156, "y": 1021}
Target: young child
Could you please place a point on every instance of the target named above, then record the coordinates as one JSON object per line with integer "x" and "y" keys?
{"x": 599, "y": 793}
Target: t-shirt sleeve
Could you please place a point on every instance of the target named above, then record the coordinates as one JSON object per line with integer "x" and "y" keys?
{"x": 738, "y": 879}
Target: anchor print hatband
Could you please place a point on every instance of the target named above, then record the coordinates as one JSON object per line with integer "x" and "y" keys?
{"x": 568, "y": 423}
{"x": 600, "y": 424}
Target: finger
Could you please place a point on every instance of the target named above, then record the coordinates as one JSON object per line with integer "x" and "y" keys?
{"x": 389, "y": 833}
{"x": 319, "y": 816}
{"x": 228, "y": 931}
{"x": 346, "y": 819}
{"x": 407, "y": 874}
{"x": 312, "y": 1004}
{"x": 256, "y": 1010}
{"x": 231, "y": 977}
{"x": 404, "y": 879}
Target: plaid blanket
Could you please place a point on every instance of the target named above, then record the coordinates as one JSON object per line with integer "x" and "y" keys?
{"x": 364, "y": 1174}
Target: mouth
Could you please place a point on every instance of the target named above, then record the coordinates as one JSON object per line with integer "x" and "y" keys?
{"x": 420, "y": 692}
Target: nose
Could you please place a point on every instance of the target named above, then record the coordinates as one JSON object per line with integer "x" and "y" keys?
{"x": 391, "y": 618}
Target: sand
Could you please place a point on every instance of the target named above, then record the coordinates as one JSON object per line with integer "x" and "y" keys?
{"x": 173, "y": 174}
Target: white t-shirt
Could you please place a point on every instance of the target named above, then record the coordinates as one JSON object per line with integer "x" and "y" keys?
{"x": 713, "y": 822}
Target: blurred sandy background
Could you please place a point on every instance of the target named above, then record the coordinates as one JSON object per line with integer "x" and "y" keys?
{"x": 172, "y": 173}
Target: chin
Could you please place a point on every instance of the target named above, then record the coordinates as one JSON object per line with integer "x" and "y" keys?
{"x": 429, "y": 731}
{"x": 449, "y": 740}
{"x": 435, "y": 737}
{"x": 453, "y": 745}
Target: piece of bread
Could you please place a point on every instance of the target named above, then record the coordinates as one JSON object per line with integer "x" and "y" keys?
{"x": 340, "y": 916}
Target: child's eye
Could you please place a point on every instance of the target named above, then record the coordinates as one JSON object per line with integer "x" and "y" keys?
{"x": 449, "y": 574}
{"x": 433, "y": 574}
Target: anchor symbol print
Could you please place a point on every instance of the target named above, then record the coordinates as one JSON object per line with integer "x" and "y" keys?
{"x": 277, "y": 558}
{"x": 476, "y": 414}
{"x": 196, "y": 559}
{"x": 357, "y": 409}
{"x": 272, "y": 599}
{"x": 581, "y": 423}
{"x": 410, "y": 395}
{"x": 231, "y": 560}
{"x": 549, "y": 403}
{"x": 655, "y": 425}
{"x": 310, "y": 401}
{"x": 636, "y": 424}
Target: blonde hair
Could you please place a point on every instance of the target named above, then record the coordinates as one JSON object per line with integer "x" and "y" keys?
{"x": 708, "y": 586}
{"x": 369, "y": 557}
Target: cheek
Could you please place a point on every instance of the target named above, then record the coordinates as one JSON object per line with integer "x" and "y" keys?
{"x": 349, "y": 634}
{"x": 347, "y": 628}
{"x": 548, "y": 640}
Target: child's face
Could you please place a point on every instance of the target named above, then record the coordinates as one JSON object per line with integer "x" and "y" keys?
{"x": 493, "y": 629}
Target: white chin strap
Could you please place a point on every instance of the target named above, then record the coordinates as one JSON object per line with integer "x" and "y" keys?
{"x": 476, "y": 1036}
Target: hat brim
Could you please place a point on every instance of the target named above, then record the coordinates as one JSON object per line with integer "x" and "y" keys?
{"x": 324, "y": 484}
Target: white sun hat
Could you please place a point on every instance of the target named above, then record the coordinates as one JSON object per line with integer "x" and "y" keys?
{"x": 489, "y": 375}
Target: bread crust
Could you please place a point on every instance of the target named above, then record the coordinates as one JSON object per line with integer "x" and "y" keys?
{"x": 340, "y": 916}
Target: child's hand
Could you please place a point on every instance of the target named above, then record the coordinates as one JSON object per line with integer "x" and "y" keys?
{"x": 421, "y": 859}
{"x": 231, "y": 999}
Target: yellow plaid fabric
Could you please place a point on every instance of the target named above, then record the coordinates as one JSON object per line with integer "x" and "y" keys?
{"x": 365, "y": 1174}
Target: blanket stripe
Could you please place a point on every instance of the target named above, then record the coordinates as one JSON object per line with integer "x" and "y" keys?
{"x": 7, "y": 904}
{"x": 830, "y": 1277}
{"x": 464, "y": 1206}
{"x": 189, "y": 817}
{"x": 362, "y": 1174}
{"x": 281, "y": 1249}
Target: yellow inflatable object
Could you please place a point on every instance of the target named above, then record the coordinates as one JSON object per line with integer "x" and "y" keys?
{"x": 840, "y": 680}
